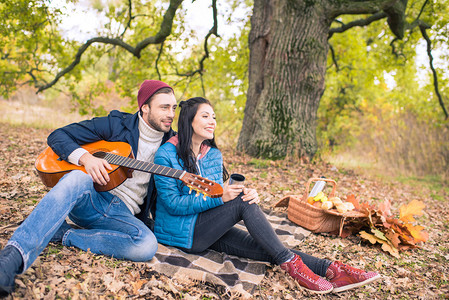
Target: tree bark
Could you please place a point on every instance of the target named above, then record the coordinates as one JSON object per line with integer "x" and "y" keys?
{"x": 288, "y": 55}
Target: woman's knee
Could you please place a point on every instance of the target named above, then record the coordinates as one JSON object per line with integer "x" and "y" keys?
{"x": 245, "y": 204}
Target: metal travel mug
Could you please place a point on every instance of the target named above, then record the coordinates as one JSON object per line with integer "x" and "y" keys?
{"x": 236, "y": 179}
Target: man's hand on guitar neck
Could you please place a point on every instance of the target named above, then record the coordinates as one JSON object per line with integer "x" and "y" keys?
{"x": 96, "y": 168}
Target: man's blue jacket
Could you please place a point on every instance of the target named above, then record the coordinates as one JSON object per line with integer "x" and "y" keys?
{"x": 116, "y": 127}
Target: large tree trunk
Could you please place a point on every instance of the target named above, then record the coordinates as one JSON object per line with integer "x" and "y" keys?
{"x": 288, "y": 52}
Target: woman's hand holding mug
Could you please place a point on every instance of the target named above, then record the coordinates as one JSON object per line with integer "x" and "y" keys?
{"x": 234, "y": 187}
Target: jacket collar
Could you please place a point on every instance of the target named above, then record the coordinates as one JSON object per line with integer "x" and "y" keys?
{"x": 203, "y": 149}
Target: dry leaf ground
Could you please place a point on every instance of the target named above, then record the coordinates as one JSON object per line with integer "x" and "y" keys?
{"x": 68, "y": 273}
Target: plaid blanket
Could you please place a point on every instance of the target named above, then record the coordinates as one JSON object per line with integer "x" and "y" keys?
{"x": 237, "y": 274}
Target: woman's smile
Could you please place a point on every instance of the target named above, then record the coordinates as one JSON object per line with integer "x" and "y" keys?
{"x": 204, "y": 123}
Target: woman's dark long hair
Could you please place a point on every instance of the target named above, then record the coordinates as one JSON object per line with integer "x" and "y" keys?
{"x": 189, "y": 108}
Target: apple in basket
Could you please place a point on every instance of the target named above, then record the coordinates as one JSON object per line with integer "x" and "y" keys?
{"x": 320, "y": 201}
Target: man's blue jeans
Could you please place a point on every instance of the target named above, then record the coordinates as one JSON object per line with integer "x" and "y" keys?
{"x": 109, "y": 227}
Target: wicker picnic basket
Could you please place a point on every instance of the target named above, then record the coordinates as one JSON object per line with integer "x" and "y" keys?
{"x": 313, "y": 218}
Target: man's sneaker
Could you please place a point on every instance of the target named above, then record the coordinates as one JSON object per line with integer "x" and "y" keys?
{"x": 344, "y": 277}
{"x": 10, "y": 266}
{"x": 305, "y": 277}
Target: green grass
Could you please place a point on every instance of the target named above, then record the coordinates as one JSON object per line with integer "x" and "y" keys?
{"x": 435, "y": 183}
{"x": 259, "y": 163}
{"x": 346, "y": 162}
{"x": 52, "y": 250}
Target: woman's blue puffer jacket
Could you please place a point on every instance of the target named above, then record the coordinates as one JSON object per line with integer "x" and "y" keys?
{"x": 176, "y": 209}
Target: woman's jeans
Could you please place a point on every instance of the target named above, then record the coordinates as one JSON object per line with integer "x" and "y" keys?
{"x": 109, "y": 227}
{"x": 214, "y": 229}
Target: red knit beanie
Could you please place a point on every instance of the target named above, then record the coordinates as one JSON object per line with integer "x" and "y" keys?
{"x": 148, "y": 88}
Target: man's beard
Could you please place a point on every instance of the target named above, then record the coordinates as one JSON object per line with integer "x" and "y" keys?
{"x": 156, "y": 125}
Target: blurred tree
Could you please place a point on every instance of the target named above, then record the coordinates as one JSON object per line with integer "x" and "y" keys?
{"x": 288, "y": 45}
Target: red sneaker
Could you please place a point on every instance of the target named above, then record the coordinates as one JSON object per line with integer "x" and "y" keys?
{"x": 305, "y": 277}
{"x": 344, "y": 277}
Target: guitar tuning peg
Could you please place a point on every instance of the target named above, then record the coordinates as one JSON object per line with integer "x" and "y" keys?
{"x": 197, "y": 194}
{"x": 190, "y": 191}
{"x": 204, "y": 197}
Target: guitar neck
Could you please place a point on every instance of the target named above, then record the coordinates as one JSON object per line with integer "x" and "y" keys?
{"x": 143, "y": 166}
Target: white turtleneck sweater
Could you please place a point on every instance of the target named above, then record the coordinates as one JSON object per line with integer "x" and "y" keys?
{"x": 134, "y": 190}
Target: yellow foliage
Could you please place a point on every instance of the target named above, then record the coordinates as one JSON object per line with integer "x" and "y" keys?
{"x": 414, "y": 208}
{"x": 395, "y": 234}
{"x": 417, "y": 232}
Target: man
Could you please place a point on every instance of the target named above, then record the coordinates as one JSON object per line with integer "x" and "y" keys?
{"x": 108, "y": 219}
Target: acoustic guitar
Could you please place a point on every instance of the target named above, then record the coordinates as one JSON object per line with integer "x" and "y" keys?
{"x": 51, "y": 168}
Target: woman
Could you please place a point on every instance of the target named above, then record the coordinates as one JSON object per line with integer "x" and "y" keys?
{"x": 192, "y": 224}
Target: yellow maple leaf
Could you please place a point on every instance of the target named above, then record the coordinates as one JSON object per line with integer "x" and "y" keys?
{"x": 414, "y": 208}
{"x": 417, "y": 232}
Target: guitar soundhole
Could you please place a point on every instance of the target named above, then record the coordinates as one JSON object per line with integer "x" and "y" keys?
{"x": 99, "y": 150}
